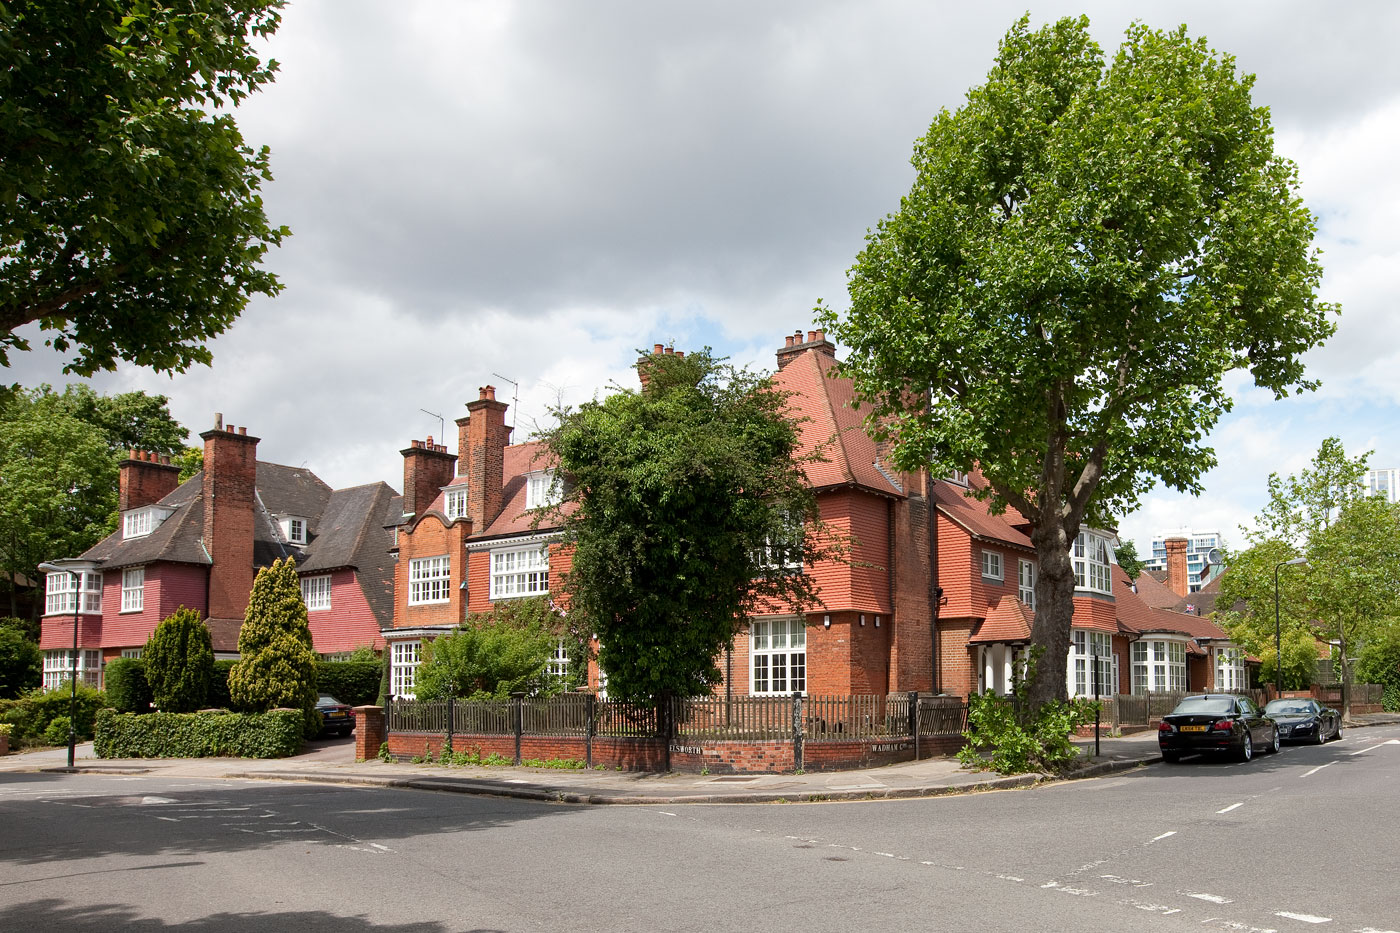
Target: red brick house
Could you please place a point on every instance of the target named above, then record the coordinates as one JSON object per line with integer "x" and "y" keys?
{"x": 199, "y": 544}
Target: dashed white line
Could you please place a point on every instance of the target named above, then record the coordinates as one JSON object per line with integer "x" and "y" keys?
{"x": 1213, "y": 898}
{"x": 1305, "y": 918}
{"x": 1164, "y": 835}
{"x": 1318, "y": 768}
{"x": 1235, "y": 806}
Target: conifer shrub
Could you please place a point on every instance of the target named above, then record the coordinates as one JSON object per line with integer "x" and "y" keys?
{"x": 180, "y": 662}
{"x": 128, "y": 690}
{"x": 278, "y": 664}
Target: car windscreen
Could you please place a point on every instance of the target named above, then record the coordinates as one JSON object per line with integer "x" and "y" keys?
{"x": 1214, "y": 705}
{"x": 1287, "y": 708}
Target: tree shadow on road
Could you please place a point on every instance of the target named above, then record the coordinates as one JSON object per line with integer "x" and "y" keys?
{"x": 52, "y": 914}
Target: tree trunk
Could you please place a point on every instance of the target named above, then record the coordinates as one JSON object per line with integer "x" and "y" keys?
{"x": 1346, "y": 673}
{"x": 1054, "y": 614}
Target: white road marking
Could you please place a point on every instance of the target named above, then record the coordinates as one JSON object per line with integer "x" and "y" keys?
{"x": 1224, "y": 924}
{"x": 1305, "y": 918}
{"x": 1363, "y": 751}
{"x": 1213, "y": 898}
{"x": 1164, "y": 835}
{"x": 669, "y": 813}
{"x": 378, "y": 846}
{"x": 1157, "y": 908}
{"x": 1373, "y": 930}
{"x": 1132, "y": 881}
{"x": 1235, "y": 806}
{"x": 1006, "y": 877}
{"x": 1318, "y": 768}
{"x": 150, "y": 800}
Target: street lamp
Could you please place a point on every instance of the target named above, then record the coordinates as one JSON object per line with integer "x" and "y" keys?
{"x": 76, "y": 567}
{"x": 1278, "y": 630}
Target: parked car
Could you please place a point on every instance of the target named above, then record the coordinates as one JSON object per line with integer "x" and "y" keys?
{"x": 1304, "y": 720}
{"x": 1219, "y": 722}
{"x": 336, "y": 717}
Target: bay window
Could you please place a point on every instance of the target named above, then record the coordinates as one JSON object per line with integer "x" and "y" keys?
{"x": 62, "y": 594}
{"x": 1158, "y": 666}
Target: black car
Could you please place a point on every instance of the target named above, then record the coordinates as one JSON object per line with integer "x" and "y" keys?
{"x": 1304, "y": 720}
{"x": 336, "y": 717}
{"x": 1219, "y": 722}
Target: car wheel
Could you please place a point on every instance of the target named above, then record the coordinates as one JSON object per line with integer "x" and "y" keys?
{"x": 1247, "y": 749}
{"x": 1338, "y": 734}
{"x": 1171, "y": 758}
{"x": 1273, "y": 749}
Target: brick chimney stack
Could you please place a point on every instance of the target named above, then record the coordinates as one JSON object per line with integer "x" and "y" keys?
{"x": 1177, "y": 580}
{"x": 644, "y": 363}
{"x": 144, "y": 478}
{"x": 484, "y": 441}
{"x": 427, "y": 467}
{"x": 795, "y": 345}
{"x": 229, "y": 490}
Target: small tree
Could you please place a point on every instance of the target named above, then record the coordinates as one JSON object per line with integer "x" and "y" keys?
{"x": 493, "y": 655}
{"x": 278, "y": 663}
{"x": 20, "y": 663}
{"x": 180, "y": 662}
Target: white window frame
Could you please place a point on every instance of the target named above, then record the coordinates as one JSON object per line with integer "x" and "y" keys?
{"x": 60, "y": 597}
{"x": 132, "y": 652}
{"x": 58, "y": 667}
{"x": 137, "y": 523}
{"x": 993, "y": 566}
{"x": 454, "y": 503}
{"x": 316, "y": 592}
{"x": 558, "y": 664}
{"x": 542, "y": 489}
{"x": 519, "y": 571}
{"x": 1083, "y": 643}
{"x": 784, "y": 552}
{"x": 1230, "y": 672}
{"x": 429, "y": 580}
{"x": 295, "y": 528}
{"x": 1092, "y": 559}
{"x": 133, "y": 589}
{"x": 404, "y": 659}
{"x": 1025, "y": 582}
{"x": 1158, "y": 666}
{"x": 778, "y": 656}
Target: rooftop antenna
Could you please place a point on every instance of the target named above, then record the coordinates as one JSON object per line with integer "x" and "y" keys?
{"x": 442, "y": 422}
{"x": 514, "y": 399}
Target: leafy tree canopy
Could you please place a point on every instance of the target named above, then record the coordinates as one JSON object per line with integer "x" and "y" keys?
{"x": 277, "y": 667}
{"x": 1087, "y": 249}
{"x": 21, "y": 663}
{"x": 131, "y": 225}
{"x": 179, "y": 658}
{"x": 494, "y": 654}
{"x": 685, "y": 515}
{"x": 1126, "y": 556}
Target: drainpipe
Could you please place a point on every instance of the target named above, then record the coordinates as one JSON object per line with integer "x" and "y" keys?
{"x": 935, "y": 591}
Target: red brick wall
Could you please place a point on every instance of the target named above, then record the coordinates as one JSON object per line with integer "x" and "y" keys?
{"x": 230, "y": 478}
{"x": 486, "y": 440}
{"x": 911, "y": 649}
{"x": 370, "y": 732}
{"x": 349, "y": 622}
{"x": 429, "y": 537}
{"x": 143, "y": 480}
{"x": 479, "y": 576}
{"x": 957, "y": 661}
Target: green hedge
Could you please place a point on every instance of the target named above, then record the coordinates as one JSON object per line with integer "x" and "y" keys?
{"x": 32, "y": 714}
{"x": 128, "y": 690}
{"x": 275, "y": 734}
{"x": 353, "y": 682}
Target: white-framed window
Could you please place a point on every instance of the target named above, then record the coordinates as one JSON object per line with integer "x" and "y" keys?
{"x": 132, "y": 652}
{"x": 957, "y": 476}
{"x": 454, "y": 503}
{"x": 1025, "y": 583}
{"x": 992, "y": 568}
{"x": 58, "y": 667}
{"x": 61, "y": 594}
{"x": 138, "y": 523}
{"x": 403, "y": 668}
{"x": 1230, "y": 669}
{"x": 295, "y": 528}
{"x": 1158, "y": 666}
{"x": 133, "y": 589}
{"x": 542, "y": 488}
{"x": 429, "y": 579}
{"x": 1083, "y": 646}
{"x": 316, "y": 592}
{"x": 783, "y": 551}
{"x": 778, "y": 656}
{"x": 337, "y": 656}
{"x": 1092, "y": 557}
{"x": 520, "y": 571}
{"x": 558, "y": 664}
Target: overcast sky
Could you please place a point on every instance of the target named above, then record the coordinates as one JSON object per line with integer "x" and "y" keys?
{"x": 484, "y": 192}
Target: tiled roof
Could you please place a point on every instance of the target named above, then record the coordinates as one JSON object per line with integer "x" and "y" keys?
{"x": 1203, "y": 601}
{"x": 828, "y": 424}
{"x": 1008, "y": 621}
{"x": 515, "y": 519}
{"x": 959, "y": 506}
{"x": 1140, "y": 618}
{"x": 1155, "y": 592}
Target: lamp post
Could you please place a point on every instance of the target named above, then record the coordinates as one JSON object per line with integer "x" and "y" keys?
{"x": 76, "y": 567}
{"x": 1278, "y": 629}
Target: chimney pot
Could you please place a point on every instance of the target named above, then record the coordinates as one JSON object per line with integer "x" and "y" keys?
{"x": 680, "y": 353}
{"x": 821, "y": 335}
{"x": 787, "y": 341}
{"x": 656, "y": 350}
{"x": 430, "y": 440}
{"x": 242, "y": 432}
{"x": 218, "y": 421}
{"x": 811, "y": 336}
{"x": 415, "y": 443}
{"x": 797, "y": 336}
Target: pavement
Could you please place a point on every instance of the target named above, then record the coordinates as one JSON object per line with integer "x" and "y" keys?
{"x": 332, "y": 762}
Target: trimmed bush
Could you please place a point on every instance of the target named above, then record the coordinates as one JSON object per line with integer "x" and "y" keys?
{"x": 30, "y": 715}
{"x": 179, "y": 662}
{"x": 127, "y": 688}
{"x": 353, "y": 682}
{"x": 278, "y": 665}
{"x": 57, "y": 731}
{"x": 274, "y": 734}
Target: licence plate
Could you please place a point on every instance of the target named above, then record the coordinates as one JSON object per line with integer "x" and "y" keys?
{"x": 1194, "y": 728}
{"x": 335, "y": 715}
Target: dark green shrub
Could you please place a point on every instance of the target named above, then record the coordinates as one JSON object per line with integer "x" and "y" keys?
{"x": 218, "y": 685}
{"x": 179, "y": 662}
{"x": 57, "y": 731}
{"x": 353, "y": 682}
{"x": 31, "y": 714}
{"x": 274, "y": 734}
{"x": 21, "y": 662}
{"x": 278, "y": 665}
{"x": 127, "y": 688}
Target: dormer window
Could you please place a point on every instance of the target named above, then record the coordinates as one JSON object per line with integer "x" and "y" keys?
{"x": 454, "y": 503}
{"x": 542, "y": 489}
{"x": 138, "y": 523}
{"x": 957, "y": 476}
{"x": 294, "y": 529}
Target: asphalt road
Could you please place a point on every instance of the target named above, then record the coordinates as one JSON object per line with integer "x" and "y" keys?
{"x": 1306, "y": 840}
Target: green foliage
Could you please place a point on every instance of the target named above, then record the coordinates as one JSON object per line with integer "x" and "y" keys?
{"x": 21, "y": 663}
{"x": 1379, "y": 661}
{"x": 384, "y": 754}
{"x": 29, "y": 628}
{"x": 132, "y": 227}
{"x": 353, "y": 682}
{"x": 493, "y": 655}
{"x": 218, "y": 685}
{"x": 1022, "y": 739}
{"x": 30, "y": 715}
{"x": 56, "y": 733}
{"x": 128, "y": 690}
{"x": 687, "y": 507}
{"x": 1088, "y": 248}
{"x": 278, "y": 665}
{"x": 180, "y": 662}
{"x": 276, "y": 734}
{"x": 1126, "y": 556}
